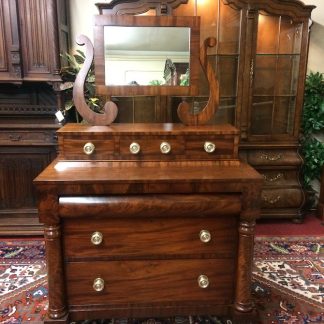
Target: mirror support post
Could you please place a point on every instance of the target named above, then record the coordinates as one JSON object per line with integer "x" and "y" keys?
{"x": 202, "y": 117}
{"x": 110, "y": 108}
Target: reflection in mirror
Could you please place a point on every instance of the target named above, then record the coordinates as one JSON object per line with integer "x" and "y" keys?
{"x": 147, "y": 55}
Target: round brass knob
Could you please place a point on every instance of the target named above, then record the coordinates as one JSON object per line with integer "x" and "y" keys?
{"x": 203, "y": 281}
{"x": 209, "y": 147}
{"x": 165, "y": 148}
{"x": 98, "y": 284}
{"x": 96, "y": 238}
{"x": 88, "y": 148}
{"x": 134, "y": 148}
{"x": 205, "y": 236}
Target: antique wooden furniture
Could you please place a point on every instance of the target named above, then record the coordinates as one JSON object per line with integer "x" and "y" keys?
{"x": 27, "y": 145}
{"x": 260, "y": 58}
{"x": 149, "y": 219}
{"x": 32, "y": 36}
{"x": 152, "y": 233}
{"x": 321, "y": 199}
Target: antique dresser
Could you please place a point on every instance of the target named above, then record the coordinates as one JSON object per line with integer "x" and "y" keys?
{"x": 148, "y": 219}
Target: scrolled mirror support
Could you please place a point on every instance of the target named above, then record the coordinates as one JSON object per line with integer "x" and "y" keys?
{"x": 110, "y": 108}
{"x": 184, "y": 110}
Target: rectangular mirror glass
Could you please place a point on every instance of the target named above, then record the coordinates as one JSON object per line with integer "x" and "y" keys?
{"x": 147, "y": 55}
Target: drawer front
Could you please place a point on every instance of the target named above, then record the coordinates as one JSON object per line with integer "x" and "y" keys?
{"x": 150, "y": 147}
{"x": 282, "y": 198}
{"x": 279, "y": 177}
{"x": 83, "y": 149}
{"x": 224, "y": 147}
{"x": 150, "y": 282}
{"x": 273, "y": 157}
{"x": 27, "y": 137}
{"x": 134, "y": 238}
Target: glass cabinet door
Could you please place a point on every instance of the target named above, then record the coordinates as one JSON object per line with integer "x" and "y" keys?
{"x": 275, "y": 73}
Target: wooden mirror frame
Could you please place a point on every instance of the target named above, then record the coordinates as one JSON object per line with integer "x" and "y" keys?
{"x": 146, "y": 21}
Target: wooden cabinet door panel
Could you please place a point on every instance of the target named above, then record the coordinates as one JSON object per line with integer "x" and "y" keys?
{"x": 10, "y": 59}
{"x": 18, "y": 168}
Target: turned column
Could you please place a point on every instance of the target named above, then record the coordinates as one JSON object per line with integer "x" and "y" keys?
{"x": 48, "y": 214}
{"x": 250, "y": 212}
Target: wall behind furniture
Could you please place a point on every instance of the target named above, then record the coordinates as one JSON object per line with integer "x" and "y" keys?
{"x": 316, "y": 45}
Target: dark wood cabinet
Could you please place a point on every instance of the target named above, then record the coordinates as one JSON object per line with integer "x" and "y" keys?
{"x": 33, "y": 33}
{"x": 27, "y": 145}
{"x": 32, "y": 36}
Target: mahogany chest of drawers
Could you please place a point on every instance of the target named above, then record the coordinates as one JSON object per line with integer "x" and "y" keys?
{"x": 148, "y": 220}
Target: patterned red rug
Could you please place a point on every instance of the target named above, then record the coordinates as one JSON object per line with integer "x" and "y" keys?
{"x": 288, "y": 283}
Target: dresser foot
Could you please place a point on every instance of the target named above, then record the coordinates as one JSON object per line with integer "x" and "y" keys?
{"x": 246, "y": 318}
{"x": 62, "y": 320}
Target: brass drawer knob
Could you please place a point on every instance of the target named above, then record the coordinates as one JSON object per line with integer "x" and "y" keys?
{"x": 88, "y": 148}
{"x": 165, "y": 148}
{"x": 209, "y": 147}
{"x": 205, "y": 236}
{"x": 134, "y": 148}
{"x": 98, "y": 284}
{"x": 203, "y": 281}
{"x": 96, "y": 238}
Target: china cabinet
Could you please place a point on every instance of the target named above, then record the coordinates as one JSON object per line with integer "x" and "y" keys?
{"x": 260, "y": 60}
{"x": 33, "y": 33}
{"x": 321, "y": 199}
{"x": 27, "y": 145}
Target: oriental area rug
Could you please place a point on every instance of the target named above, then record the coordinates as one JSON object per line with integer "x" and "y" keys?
{"x": 288, "y": 283}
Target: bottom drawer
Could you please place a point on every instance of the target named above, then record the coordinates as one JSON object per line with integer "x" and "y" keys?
{"x": 151, "y": 282}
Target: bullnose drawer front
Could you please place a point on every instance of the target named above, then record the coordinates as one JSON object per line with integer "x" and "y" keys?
{"x": 162, "y": 237}
{"x": 279, "y": 198}
{"x": 135, "y": 282}
{"x": 280, "y": 178}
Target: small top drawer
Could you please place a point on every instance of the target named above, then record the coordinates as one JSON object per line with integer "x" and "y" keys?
{"x": 143, "y": 142}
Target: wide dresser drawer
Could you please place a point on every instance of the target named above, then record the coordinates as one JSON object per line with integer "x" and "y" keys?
{"x": 156, "y": 281}
{"x": 282, "y": 198}
{"x": 154, "y": 237}
{"x": 268, "y": 157}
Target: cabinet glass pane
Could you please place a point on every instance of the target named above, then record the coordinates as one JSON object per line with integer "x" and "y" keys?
{"x": 283, "y": 120}
{"x": 227, "y": 67}
{"x": 268, "y": 31}
{"x": 290, "y": 37}
{"x": 135, "y": 109}
{"x": 287, "y": 75}
{"x": 261, "y": 118}
{"x": 226, "y": 111}
{"x": 264, "y": 75}
{"x": 229, "y": 29}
